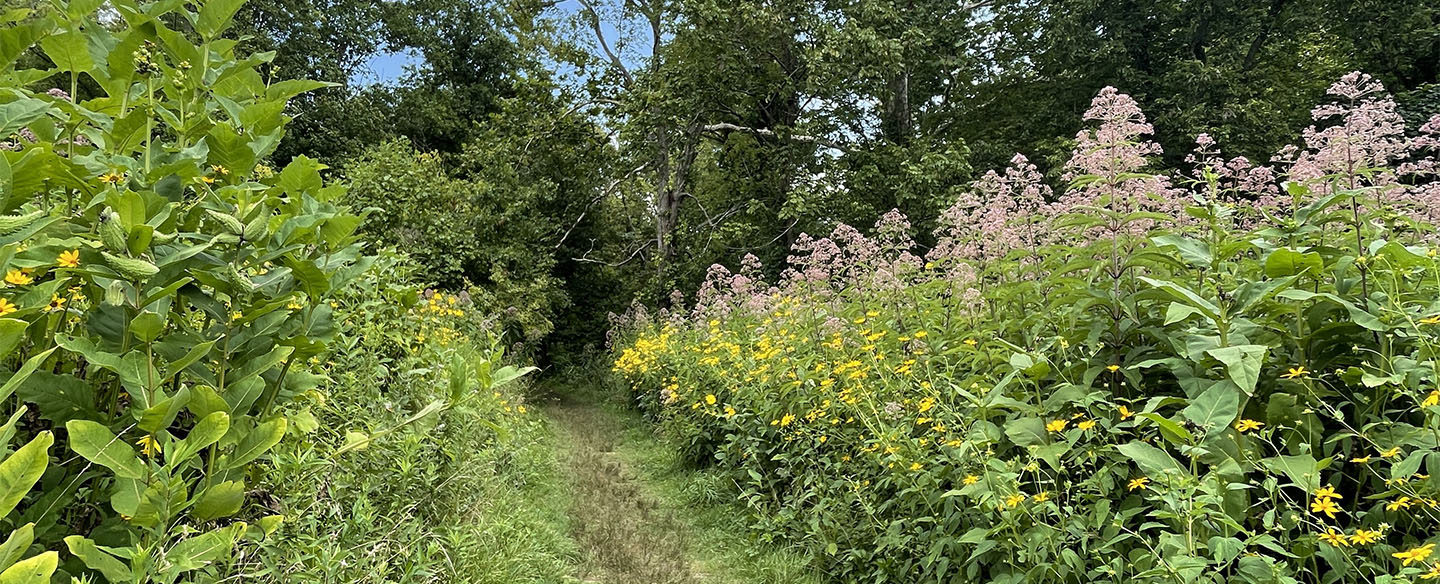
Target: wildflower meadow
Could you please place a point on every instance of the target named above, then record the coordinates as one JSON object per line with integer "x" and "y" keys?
{"x": 1224, "y": 372}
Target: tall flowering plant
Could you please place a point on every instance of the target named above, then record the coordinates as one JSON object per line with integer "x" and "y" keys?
{"x": 1221, "y": 374}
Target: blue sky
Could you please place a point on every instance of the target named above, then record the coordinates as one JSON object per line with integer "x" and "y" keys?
{"x": 387, "y": 67}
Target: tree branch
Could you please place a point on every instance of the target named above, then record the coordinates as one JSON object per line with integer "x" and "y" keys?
{"x": 768, "y": 133}
{"x": 605, "y": 45}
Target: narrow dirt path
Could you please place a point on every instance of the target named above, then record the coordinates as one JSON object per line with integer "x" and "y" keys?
{"x": 626, "y": 536}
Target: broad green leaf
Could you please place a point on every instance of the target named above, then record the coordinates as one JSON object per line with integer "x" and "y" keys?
{"x": 1195, "y": 252}
{"x": 265, "y": 436}
{"x": 97, "y": 559}
{"x": 20, "y": 113}
{"x": 1242, "y": 364}
{"x": 1153, "y": 461}
{"x": 61, "y": 398}
{"x": 1172, "y": 431}
{"x": 508, "y": 373}
{"x": 1289, "y": 262}
{"x": 1214, "y": 409}
{"x": 207, "y": 431}
{"x": 12, "y": 333}
{"x": 20, "y": 470}
{"x": 36, "y": 570}
{"x": 215, "y": 16}
{"x": 204, "y": 549}
{"x": 15, "y": 546}
{"x": 1026, "y": 431}
{"x": 69, "y": 50}
{"x": 220, "y": 500}
{"x": 20, "y": 376}
{"x": 1302, "y": 469}
{"x": 98, "y": 445}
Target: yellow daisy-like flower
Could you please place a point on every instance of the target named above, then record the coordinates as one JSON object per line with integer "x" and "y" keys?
{"x": 1416, "y": 554}
{"x": 1056, "y": 425}
{"x": 1391, "y": 453}
{"x": 69, "y": 259}
{"x": 1334, "y": 538}
{"x": 1125, "y": 413}
{"x": 920, "y": 334}
{"x": 112, "y": 178}
{"x": 1113, "y": 368}
{"x": 1432, "y": 399}
{"x": 1014, "y": 500}
{"x": 1431, "y": 320}
{"x": 1247, "y": 425}
{"x": 1365, "y": 536}
{"x": 56, "y": 304}
{"x": 971, "y": 342}
{"x": 710, "y": 399}
{"x": 18, "y": 278}
{"x": 6, "y": 306}
{"x": 1042, "y": 496}
{"x": 1433, "y": 573}
{"x": 1296, "y": 372}
{"x": 1085, "y": 424}
{"x": 1360, "y": 459}
{"x": 1326, "y": 506}
{"x": 148, "y": 445}
{"x": 1402, "y": 503}
{"x": 970, "y": 479}
{"x": 916, "y": 466}
{"x": 1327, "y": 492}
{"x": 1140, "y": 483}
{"x": 729, "y": 412}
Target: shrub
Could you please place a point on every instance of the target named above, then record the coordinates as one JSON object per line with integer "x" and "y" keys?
{"x": 464, "y": 494}
{"x": 1221, "y": 375}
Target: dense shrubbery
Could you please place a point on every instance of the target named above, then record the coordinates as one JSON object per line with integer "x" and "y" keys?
{"x": 1223, "y": 374}
{"x": 170, "y": 302}
{"x": 456, "y": 496}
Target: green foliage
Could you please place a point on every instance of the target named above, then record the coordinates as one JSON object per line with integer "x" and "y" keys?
{"x": 415, "y": 458}
{"x": 1234, "y": 386}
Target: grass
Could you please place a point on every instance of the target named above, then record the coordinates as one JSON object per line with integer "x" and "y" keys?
{"x": 641, "y": 516}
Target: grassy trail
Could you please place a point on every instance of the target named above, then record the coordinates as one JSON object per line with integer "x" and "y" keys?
{"x": 639, "y": 517}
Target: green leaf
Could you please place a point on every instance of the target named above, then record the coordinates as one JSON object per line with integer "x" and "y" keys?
{"x": 97, "y": 559}
{"x": 1197, "y": 253}
{"x": 1242, "y": 364}
{"x": 1289, "y": 262}
{"x": 20, "y": 470}
{"x": 220, "y": 500}
{"x": 207, "y": 431}
{"x": 257, "y": 442}
{"x": 20, "y": 113}
{"x": 12, "y": 333}
{"x": 1357, "y": 315}
{"x": 25, "y": 373}
{"x": 1172, "y": 431}
{"x": 98, "y": 445}
{"x": 69, "y": 50}
{"x": 1153, "y": 461}
{"x": 61, "y": 398}
{"x": 36, "y": 570}
{"x": 15, "y": 546}
{"x": 1186, "y": 296}
{"x": 1215, "y": 408}
{"x": 1302, "y": 469}
{"x": 215, "y": 17}
{"x": 509, "y": 373}
{"x": 204, "y": 549}
{"x": 1027, "y": 432}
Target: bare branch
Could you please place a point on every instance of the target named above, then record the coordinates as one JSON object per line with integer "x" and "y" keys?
{"x": 605, "y": 193}
{"x": 627, "y": 260}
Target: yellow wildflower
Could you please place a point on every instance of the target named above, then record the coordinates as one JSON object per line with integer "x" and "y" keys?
{"x": 56, "y": 304}
{"x": 970, "y": 479}
{"x": 710, "y": 399}
{"x": 1247, "y": 425}
{"x": 69, "y": 259}
{"x": 1334, "y": 538}
{"x": 1125, "y": 413}
{"x": 1056, "y": 425}
{"x": 1085, "y": 424}
{"x": 1295, "y": 372}
{"x": 1326, "y": 506}
{"x": 1416, "y": 554}
{"x": 1140, "y": 483}
{"x": 1042, "y": 496}
{"x": 1365, "y": 536}
{"x": 1327, "y": 492}
{"x": 148, "y": 445}
{"x": 1014, "y": 500}
{"x": 1432, "y": 399}
{"x": 6, "y": 307}
{"x": 18, "y": 278}
{"x": 1112, "y": 368}
{"x": 1391, "y": 453}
